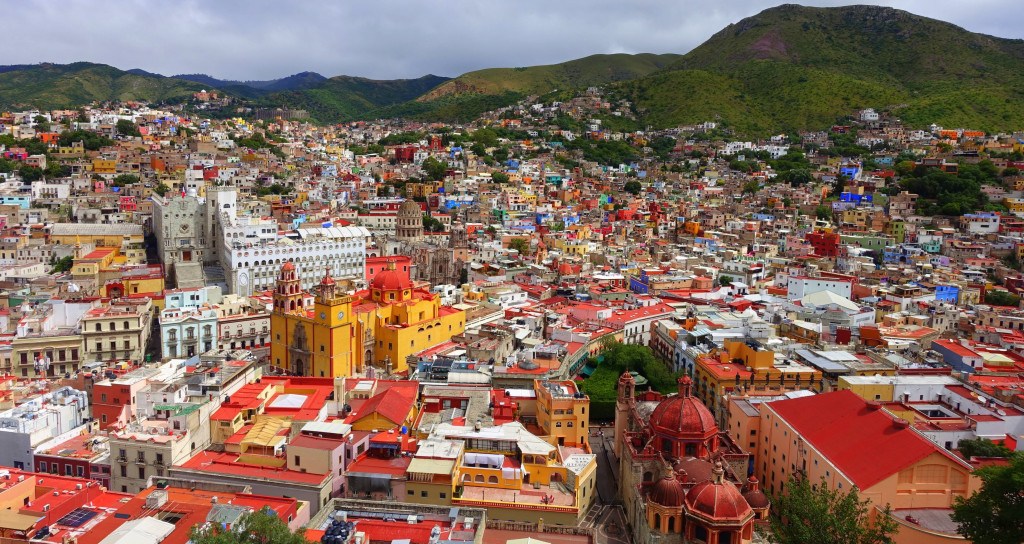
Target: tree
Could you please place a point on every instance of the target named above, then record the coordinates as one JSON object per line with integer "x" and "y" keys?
{"x": 995, "y": 514}
{"x": 125, "y": 127}
{"x": 434, "y": 169}
{"x": 725, "y": 281}
{"x": 522, "y": 245}
{"x": 823, "y": 212}
{"x": 42, "y": 124}
{"x": 261, "y": 527}
{"x": 982, "y": 447}
{"x": 62, "y": 265}
{"x": 997, "y": 297}
{"x": 431, "y": 224}
{"x": 124, "y": 179}
{"x": 30, "y": 173}
{"x": 499, "y": 177}
{"x": 632, "y": 187}
{"x": 806, "y": 513}
{"x": 161, "y": 189}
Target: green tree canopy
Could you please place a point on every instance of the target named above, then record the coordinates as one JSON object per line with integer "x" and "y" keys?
{"x": 161, "y": 189}
{"x": 124, "y": 179}
{"x": 995, "y": 514}
{"x": 62, "y": 265}
{"x": 125, "y": 127}
{"x": 499, "y": 177}
{"x": 806, "y": 513}
{"x": 431, "y": 224}
{"x": 982, "y": 447}
{"x": 632, "y": 187}
{"x": 615, "y": 359}
{"x": 522, "y": 245}
{"x": 998, "y": 297}
{"x": 434, "y": 169}
{"x": 261, "y": 527}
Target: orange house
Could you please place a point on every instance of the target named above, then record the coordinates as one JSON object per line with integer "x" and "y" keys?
{"x": 849, "y": 443}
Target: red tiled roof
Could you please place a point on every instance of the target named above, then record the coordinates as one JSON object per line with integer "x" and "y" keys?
{"x": 393, "y": 405}
{"x": 863, "y": 442}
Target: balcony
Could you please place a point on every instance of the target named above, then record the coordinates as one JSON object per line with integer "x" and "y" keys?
{"x": 122, "y": 459}
{"x": 140, "y": 461}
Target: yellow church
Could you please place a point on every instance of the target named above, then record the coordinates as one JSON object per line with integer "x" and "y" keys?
{"x": 336, "y": 334}
{"x": 402, "y": 319}
{"x": 318, "y": 339}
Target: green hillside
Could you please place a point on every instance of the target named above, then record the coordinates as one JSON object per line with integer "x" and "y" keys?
{"x": 579, "y": 73}
{"x": 67, "y": 85}
{"x": 794, "y": 67}
{"x": 345, "y": 98}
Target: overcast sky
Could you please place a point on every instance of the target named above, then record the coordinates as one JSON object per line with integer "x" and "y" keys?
{"x": 385, "y": 39}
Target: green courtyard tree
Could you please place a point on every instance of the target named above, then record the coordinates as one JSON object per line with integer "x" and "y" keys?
{"x": 261, "y": 527}
{"x": 127, "y": 128}
{"x": 499, "y": 177}
{"x": 982, "y": 447}
{"x": 434, "y": 168}
{"x": 632, "y": 187}
{"x": 522, "y": 245}
{"x": 62, "y": 265}
{"x": 995, "y": 514}
{"x": 998, "y": 297}
{"x": 806, "y": 513}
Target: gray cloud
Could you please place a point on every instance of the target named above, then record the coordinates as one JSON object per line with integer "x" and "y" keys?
{"x": 262, "y": 39}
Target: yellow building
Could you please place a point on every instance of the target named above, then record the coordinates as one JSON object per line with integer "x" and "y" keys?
{"x": 399, "y": 319}
{"x": 104, "y": 166}
{"x": 562, "y": 412}
{"x": 313, "y": 340}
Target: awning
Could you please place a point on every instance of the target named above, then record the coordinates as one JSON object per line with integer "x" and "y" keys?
{"x": 587, "y": 370}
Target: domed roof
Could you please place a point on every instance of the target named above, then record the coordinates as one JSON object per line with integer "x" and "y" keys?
{"x": 718, "y": 499}
{"x": 667, "y": 492}
{"x": 328, "y": 280}
{"x": 288, "y": 266}
{"x": 683, "y": 415}
{"x": 697, "y": 470}
{"x": 754, "y": 496}
{"x": 390, "y": 279}
{"x": 410, "y": 208}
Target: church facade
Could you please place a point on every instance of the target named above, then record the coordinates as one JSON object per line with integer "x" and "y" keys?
{"x": 681, "y": 479}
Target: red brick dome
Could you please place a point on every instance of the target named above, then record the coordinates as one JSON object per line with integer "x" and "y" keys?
{"x": 718, "y": 499}
{"x": 391, "y": 279}
{"x": 683, "y": 416}
{"x": 668, "y": 492}
{"x": 288, "y": 266}
{"x": 754, "y": 496}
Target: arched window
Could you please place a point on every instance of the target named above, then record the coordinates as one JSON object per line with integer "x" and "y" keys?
{"x": 671, "y": 524}
{"x": 480, "y": 478}
{"x": 492, "y": 479}
{"x": 657, "y": 522}
{"x": 648, "y": 476}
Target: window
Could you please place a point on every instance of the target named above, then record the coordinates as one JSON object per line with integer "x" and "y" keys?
{"x": 423, "y": 494}
{"x": 410, "y": 492}
{"x": 42, "y": 466}
{"x": 124, "y": 471}
{"x": 142, "y": 473}
{"x": 443, "y": 495}
{"x": 297, "y": 462}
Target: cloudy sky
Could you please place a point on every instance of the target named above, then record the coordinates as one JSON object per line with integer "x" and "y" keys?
{"x": 262, "y": 39}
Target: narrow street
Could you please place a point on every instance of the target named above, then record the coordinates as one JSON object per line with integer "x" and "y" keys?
{"x": 607, "y": 518}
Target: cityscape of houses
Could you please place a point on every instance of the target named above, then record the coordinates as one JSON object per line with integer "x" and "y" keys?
{"x": 407, "y": 331}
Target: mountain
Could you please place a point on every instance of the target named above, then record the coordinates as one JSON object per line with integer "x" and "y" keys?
{"x": 793, "y": 67}
{"x": 473, "y": 93}
{"x": 343, "y": 98}
{"x": 67, "y": 85}
{"x": 301, "y": 80}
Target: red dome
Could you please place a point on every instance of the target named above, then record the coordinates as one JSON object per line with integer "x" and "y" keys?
{"x": 754, "y": 496}
{"x": 391, "y": 280}
{"x": 683, "y": 416}
{"x": 668, "y": 492}
{"x": 287, "y": 266}
{"x": 718, "y": 499}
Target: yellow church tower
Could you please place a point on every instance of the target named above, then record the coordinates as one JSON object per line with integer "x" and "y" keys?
{"x": 318, "y": 341}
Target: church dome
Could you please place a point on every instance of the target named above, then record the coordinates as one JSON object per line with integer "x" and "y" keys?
{"x": 683, "y": 416}
{"x": 288, "y": 266}
{"x": 410, "y": 209}
{"x": 754, "y": 496}
{"x": 390, "y": 279}
{"x": 667, "y": 492}
{"x": 717, "y": 499}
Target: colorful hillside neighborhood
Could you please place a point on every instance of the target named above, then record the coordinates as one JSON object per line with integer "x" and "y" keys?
{"x": 546, "y": 325}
